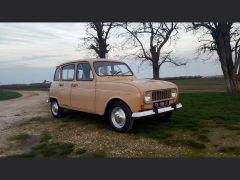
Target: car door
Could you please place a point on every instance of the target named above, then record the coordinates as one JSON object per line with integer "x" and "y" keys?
{"x": 83, "y": 89}
{"x": 55, "y": 88}
{"x": 67, "y": 78}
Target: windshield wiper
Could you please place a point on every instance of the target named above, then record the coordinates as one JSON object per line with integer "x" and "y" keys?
{"x": 125, "y": 72}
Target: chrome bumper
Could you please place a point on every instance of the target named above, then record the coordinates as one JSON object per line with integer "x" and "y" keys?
{"x": 151, "y": 112}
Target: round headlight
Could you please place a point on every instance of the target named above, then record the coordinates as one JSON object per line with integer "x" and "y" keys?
{"x": 148, "y": 97}
{"x": 174, "y": 93}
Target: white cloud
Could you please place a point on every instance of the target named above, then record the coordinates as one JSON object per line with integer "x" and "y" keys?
{"x": 44, "y": 45}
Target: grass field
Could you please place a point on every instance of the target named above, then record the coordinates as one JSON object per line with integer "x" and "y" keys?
{"x": 5, "y": 95}
{"x": 208, "y": 125}
{"x": 216, "y": 84}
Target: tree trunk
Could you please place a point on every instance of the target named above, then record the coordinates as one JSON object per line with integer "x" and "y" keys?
{"x": 155, "y": 58}
{"x": 155, "y": 70}
{"x": 102, "y": 54}
{"x": 222, "y": 38}
{"x": 231, "y": 80}
{"x": 102, "y": 49}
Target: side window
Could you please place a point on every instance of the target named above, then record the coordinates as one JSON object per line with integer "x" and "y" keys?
{"x": 64, "y": 73}
{"x": 84, "y": 72}
{"x": 68, "y": 72}
{"x": 71, "y": 72}
{"x": 57, "y": 74}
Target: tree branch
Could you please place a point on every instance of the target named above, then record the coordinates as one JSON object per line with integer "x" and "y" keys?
{"x": 134, "y": 34}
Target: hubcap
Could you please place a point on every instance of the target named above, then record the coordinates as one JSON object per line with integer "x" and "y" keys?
{"x": 55, "y": 108}
{"x": 118, "y": 117}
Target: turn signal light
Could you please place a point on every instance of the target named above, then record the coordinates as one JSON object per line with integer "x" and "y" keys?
{"x": 177, "y": 99}
{"x": 142, "y": 106}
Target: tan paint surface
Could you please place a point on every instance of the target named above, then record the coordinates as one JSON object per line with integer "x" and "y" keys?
{"x": 93, "y": 96}
{"x": 83, "y": 96}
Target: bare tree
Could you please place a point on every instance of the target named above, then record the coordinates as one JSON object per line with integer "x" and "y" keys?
{"x": 157, "y": 34}
{"x": 223, "y": 38}
{"x": 97, "y": 36}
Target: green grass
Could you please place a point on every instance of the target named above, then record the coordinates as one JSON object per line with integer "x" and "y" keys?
{"x": 208, "y": 123}
{"x": 203, "y": 138}
{"x": 190, "y": 127}
{"x": 95, "y": 154}
{"x": 233, "y": 127}
{"x": 230, "y": 150}
{"x": 203, "y": 84}
{"x": 5, "y": 95}
{"x": 201, "y": 112}
{"x": 201, "y": 108}
{"x": 190, "y": 143}
{"x": 45, "y": 137}
{"x": 49, "y": 150}
{"x": 81, "y": 151}
{"x": 20, "y": 137}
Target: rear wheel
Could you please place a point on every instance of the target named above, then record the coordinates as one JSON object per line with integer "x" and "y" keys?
{"x": 120, "y": 117}
{"x": 56, "y": 110}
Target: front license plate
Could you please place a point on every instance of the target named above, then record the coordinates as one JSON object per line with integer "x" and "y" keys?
{"x": 160, "y": 104}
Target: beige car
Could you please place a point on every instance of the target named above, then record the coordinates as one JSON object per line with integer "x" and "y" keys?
{"x": 109, "y": 87}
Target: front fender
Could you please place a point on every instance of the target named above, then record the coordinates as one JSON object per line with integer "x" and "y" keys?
{"x": 105, "y": 92}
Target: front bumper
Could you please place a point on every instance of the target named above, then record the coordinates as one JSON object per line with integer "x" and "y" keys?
{"x": 151, "y": 112}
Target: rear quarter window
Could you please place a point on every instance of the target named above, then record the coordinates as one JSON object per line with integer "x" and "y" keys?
{"x": 57, "y": 74}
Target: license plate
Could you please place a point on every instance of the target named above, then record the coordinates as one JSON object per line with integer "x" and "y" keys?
{"x": 160, "y": 104}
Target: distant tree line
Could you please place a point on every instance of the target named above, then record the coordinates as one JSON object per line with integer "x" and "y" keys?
{"x": 151, "y": 41}
{"x": 182, "y": 77}
{"x": 32, "y": 86}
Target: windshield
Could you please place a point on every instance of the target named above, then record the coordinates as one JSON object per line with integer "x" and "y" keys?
{"x": 107, "y": 68}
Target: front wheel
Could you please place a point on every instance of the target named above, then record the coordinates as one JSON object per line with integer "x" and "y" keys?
{"x": 56, "y": 110}
{"x": 120, "y": 117}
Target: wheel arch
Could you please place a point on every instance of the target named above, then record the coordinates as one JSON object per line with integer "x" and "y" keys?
{"x": 52, "y": 98}
{"x": 112, "y": 101}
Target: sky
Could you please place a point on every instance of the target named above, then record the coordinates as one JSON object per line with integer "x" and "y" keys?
{"x": 29, "y": 53}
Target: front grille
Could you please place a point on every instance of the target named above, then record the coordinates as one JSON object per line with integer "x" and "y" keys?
{"x": 161, "y": 94}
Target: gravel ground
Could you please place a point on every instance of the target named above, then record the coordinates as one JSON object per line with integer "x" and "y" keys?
{"x": 30, "y": 114}
{"x": 31, "y": 104}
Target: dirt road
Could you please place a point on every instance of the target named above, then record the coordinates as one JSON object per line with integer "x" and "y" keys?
{"x": 31, "y": 104}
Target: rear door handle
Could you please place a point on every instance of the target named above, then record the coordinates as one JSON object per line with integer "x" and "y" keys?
{"x": 74, "y": 85}
{"x": 61, "y": 84}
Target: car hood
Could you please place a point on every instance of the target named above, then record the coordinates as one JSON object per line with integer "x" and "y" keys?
{"x": 147, "y": 85}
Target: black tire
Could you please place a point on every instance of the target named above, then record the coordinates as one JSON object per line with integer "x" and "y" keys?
{"x": 57, "y": 113}
{"x": 128, "y": 122}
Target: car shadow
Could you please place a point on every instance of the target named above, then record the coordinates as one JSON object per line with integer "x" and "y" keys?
{"x": 103, "y": 123}
{"x": 85, "y": 118}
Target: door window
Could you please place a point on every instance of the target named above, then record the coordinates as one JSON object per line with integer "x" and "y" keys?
{"x": 68, "y": 72}
{"x": 84, "y": 72}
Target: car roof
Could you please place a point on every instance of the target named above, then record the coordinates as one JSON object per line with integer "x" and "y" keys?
{"x": 88, "y": 60}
